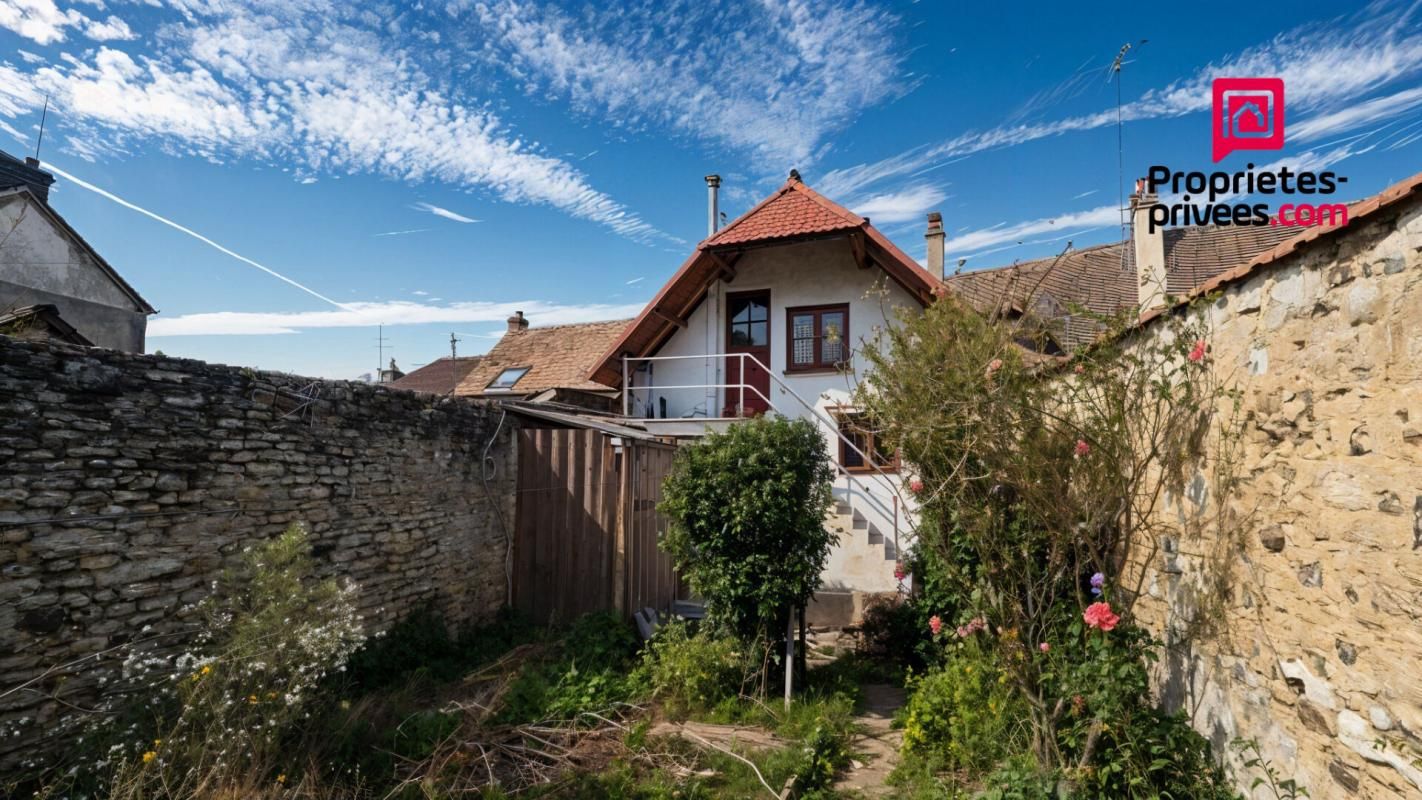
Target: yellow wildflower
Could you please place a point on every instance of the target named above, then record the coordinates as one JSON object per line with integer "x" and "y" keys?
{"x": 281, "y": 778}
{"x": 149, "y": 756}
{"x": 251, "y": 698}
{"x": 157, "y": 743}
{"x": 206, "y": 669}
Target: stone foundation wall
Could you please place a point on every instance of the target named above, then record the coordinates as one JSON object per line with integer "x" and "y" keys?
{"x": 1318, "y": 652}
{"x": 127, "y": 482}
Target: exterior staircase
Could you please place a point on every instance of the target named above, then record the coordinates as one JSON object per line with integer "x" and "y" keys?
{"x": 865, "y": 555}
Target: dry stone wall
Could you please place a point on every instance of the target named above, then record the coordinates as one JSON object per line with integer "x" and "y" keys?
{"x": 127, "y": 482}
{"x": 1314, "y": 646}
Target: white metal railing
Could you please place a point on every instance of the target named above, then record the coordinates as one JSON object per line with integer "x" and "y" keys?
{"x": 852, "y": 479}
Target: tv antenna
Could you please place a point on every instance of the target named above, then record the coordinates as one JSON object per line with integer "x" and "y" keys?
{"x": 1114, "y": 74}
{"x": 380, "y": 341}
{"x": 43, "y": 115}
{"x": 453, "y": 346}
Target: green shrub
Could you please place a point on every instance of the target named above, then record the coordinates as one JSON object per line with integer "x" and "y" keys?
{"x": 747, "y": 509}
{"x": 423, "y": 642}
{"x": 964, "y": 714}
{"x": 695, "y": 673}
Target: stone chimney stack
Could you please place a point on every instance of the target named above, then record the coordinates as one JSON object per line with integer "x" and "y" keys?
{"x": 1149, "y": 250}
{"x": 518, "y": 323}
{"x": 935, "y": 237}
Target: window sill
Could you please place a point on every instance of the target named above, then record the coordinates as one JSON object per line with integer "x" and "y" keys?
{"x": 817, "y": 371}
{"x": 871, "y": 471}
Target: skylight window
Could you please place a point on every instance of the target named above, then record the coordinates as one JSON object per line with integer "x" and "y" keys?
{"x": 508, "y": 378}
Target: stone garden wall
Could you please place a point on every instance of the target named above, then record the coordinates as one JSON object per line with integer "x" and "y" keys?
{"x": 1311, "y": 643}
{"x": 127, "y": 482}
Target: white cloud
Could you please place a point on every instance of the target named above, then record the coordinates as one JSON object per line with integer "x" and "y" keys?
{"x": 31, "y": 58}
{"x": 37, "y": 20}
{"x": 112, "y": 28}
{"x": 402, "y": 233}
{"x": 44, "y": 23}
{"x": 395, "y": 312}
{"x": 1087, "y": 193}
{"x": 324, "y": 87}
{"x": 910, "y": 203}
{"x": 636, "y": 281}
{"x": 443, "y": 212}
{"x": 977, "y": 241}
{"x": 1326, "y": 68}
{"x": 1350, "y": 117}
{"x": 772, "y": 79}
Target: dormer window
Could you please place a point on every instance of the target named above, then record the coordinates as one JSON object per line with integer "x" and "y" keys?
{"x": 507, "y": 378}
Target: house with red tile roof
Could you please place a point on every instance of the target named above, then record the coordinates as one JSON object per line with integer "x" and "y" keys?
{"x": 771, "y": 314}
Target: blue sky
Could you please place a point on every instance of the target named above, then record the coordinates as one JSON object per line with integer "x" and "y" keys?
{"x": 433, "y": 166}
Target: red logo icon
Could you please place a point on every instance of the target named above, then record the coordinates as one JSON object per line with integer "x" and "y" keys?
{"x": 1248, "y": 115}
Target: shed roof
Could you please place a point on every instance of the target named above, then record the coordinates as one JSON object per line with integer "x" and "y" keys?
{"x": 441, "y": 376}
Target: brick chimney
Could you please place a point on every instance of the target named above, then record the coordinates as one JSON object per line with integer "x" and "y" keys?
{"x": 1149, "y": 250}
{"x": 518, "y": 323}
{"x": 934, "y": 235}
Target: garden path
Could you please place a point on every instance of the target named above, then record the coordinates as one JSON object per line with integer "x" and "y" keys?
{"x": 876, "y": 748}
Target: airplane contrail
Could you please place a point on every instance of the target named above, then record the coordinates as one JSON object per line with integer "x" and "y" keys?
{"x": 83, "y": 184}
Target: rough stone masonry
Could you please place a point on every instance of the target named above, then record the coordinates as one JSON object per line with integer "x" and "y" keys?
{"x": 1316, "y": 642}
{"x": 127, "y": 482}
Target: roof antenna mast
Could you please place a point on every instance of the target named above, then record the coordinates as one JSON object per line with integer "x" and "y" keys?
{"x": 1114, "y": 74}
{"x": 43, "y": 115}
{"x": 453, "y": 345}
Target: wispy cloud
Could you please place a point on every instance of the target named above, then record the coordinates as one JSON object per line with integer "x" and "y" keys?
{"x": 443, "y": 212}
{"x": 402, "y": 233}
{"x": 772, "y": 79}
{"x": 636, "y": 281}
{"x": 910, "y": 203}
{"x": 189, "y": 231}
{"x": 975, "y": 242}
{"x": 328, "y": 88}
{"x": 1087, "y": 193}
{"x": 1326, "y": 68}
{"x": 360, "y": 315}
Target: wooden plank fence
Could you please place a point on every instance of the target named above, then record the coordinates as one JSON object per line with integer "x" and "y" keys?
{"x": 585, "y": 533}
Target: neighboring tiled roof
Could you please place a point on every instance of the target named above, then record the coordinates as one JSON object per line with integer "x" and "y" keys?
{"x": 1357, "y": 212}
{"x": 438, "y": 377}
{"x": 1103, "y": 279}
{"x": 559, "y": 357}
{"x": 794, "y": 210}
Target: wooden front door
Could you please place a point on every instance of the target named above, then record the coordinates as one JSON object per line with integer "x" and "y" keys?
{"x": 747, "y": 331}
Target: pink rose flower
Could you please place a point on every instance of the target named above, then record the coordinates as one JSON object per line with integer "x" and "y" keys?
{"x": 916, "y": 486}
{"x": 935, "y": 624}
{"x": 1044, "y": 647}
{"x": 1197, "y": 353}
{"x": 899, "y": 572}
{"x": 1082, "y": 448}
{"x": 1099, "y": 616}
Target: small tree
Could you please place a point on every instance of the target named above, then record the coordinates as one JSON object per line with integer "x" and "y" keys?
{"x": 748, "y": 528}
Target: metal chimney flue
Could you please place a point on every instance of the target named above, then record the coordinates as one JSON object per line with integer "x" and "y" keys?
{"x": 713, "y": 204}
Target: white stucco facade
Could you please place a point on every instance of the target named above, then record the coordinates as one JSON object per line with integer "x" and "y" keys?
{"x": 805, "y": 274}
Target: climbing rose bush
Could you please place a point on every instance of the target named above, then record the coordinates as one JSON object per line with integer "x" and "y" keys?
{"x": 1038, "y": 479}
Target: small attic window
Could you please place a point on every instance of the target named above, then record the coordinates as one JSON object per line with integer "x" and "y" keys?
{"x": 508, "y": 378}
